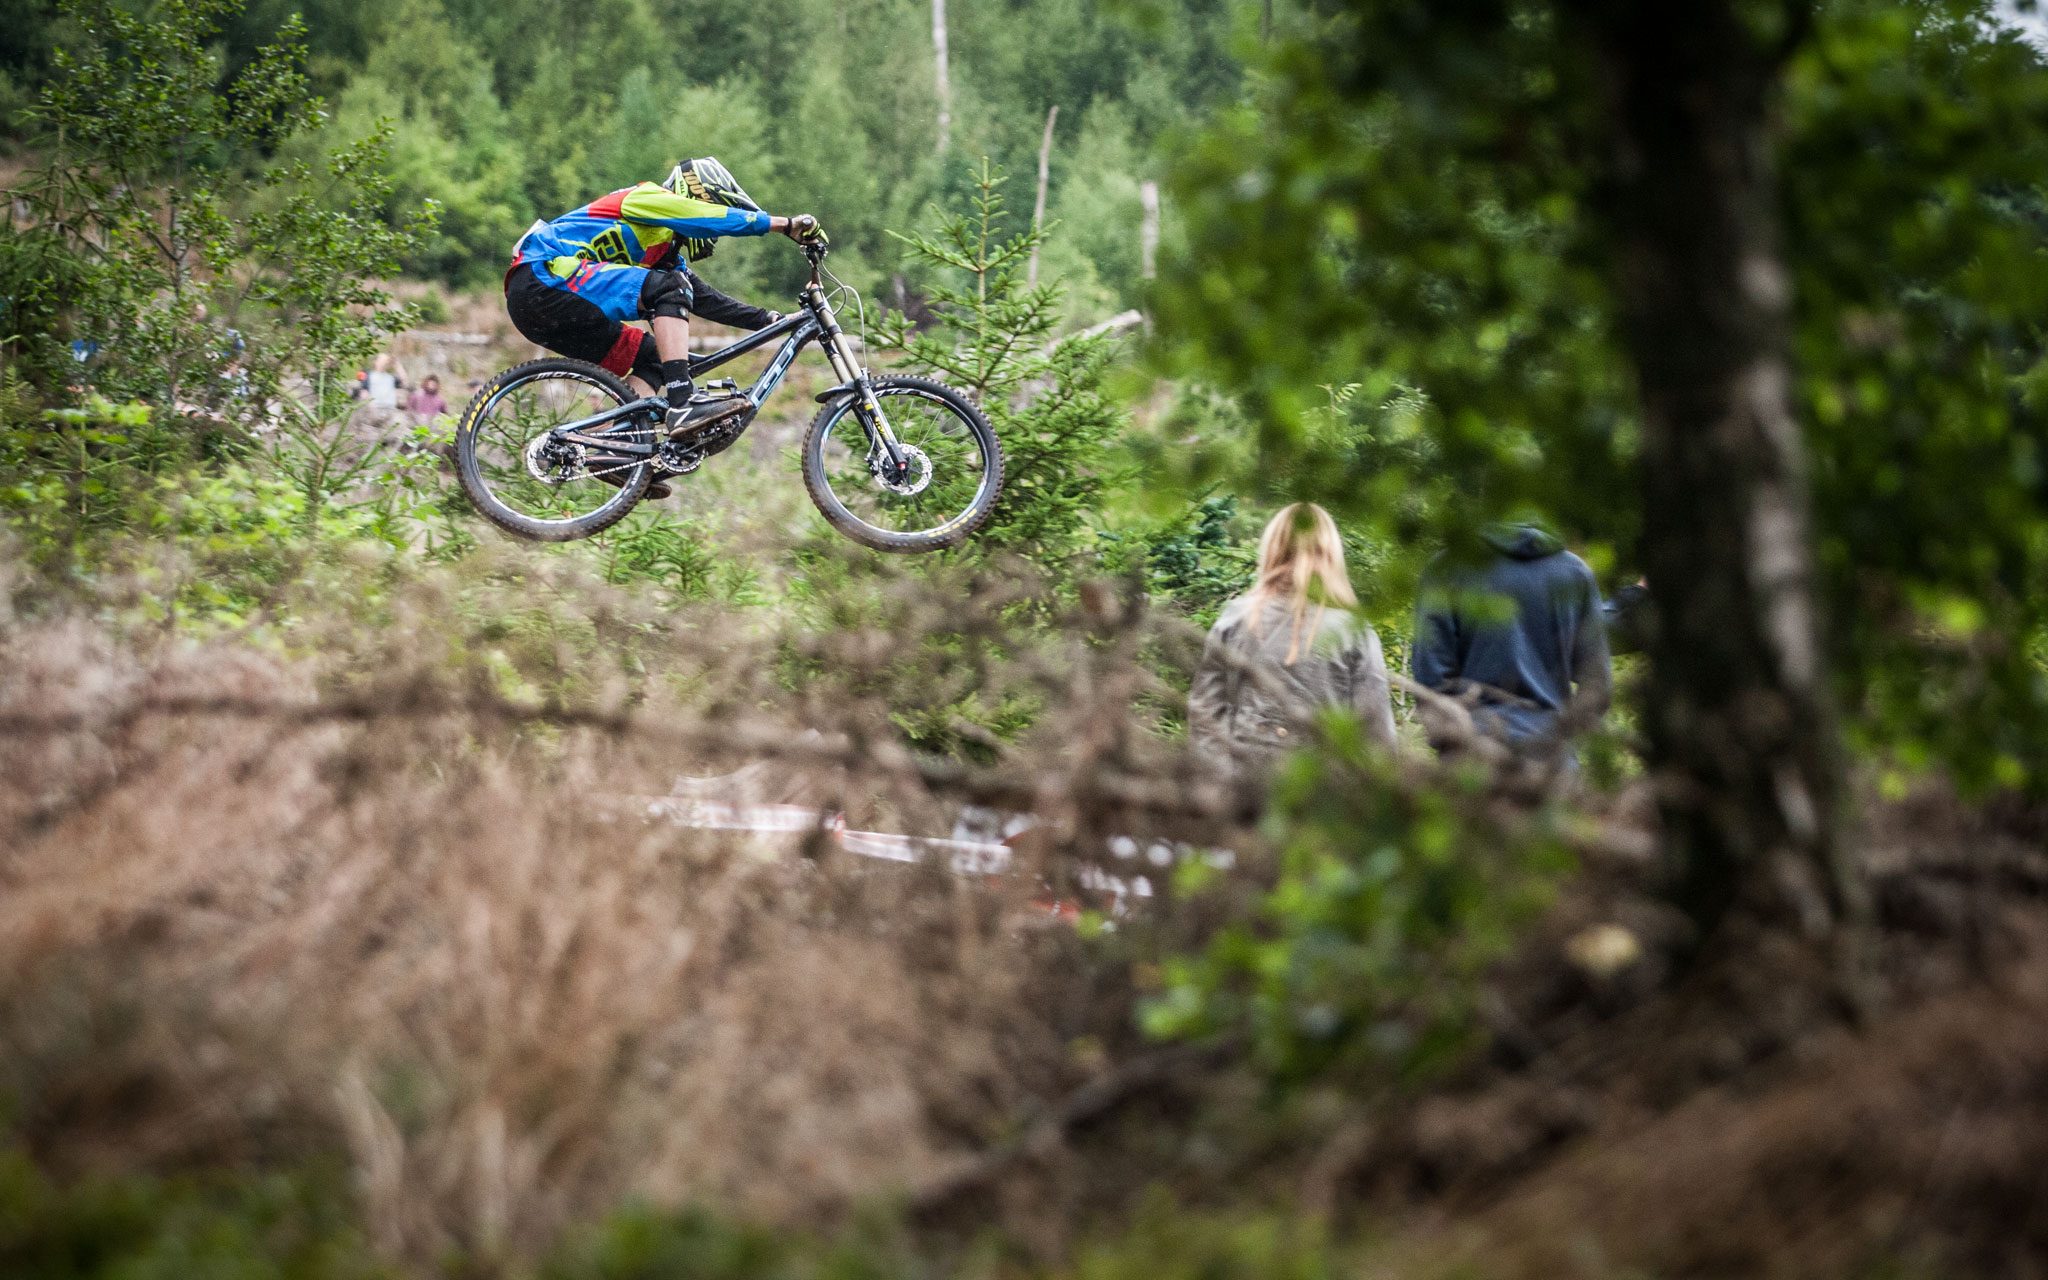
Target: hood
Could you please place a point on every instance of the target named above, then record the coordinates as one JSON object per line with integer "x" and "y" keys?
{"x": 1522, "y": 541}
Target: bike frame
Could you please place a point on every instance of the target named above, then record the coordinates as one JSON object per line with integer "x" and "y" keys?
{"x": 815, "y": 320}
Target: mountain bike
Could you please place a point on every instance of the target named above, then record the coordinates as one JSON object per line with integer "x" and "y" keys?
{"x": 559, "y": 449}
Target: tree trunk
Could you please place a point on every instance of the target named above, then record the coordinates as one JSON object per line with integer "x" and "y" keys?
{"x": 1038, "y": 205}
{"x": 1148, "y": 229}
{"x": 1740, "y": 724}
{"x": 942, "y": 78}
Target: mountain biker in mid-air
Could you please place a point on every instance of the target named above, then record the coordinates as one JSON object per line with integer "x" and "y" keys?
{"x": 577, "y": 280}
{"x": 562, "y": 448}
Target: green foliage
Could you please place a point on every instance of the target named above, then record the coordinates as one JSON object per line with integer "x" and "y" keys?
{"x": 996, "y": 327}
{"x": 1170, "y": 1242}
{"x": 27, "y": 35}
{"x": 210, "y": 535}
{"x": 188, "y": 1228}
{"x": 244, "y": 536}
{"x": 451, "y": 143}
{"x": 42, "y": 277}
{"x": 639, "y": 1244}
{"x": 1415, "y": 199}
{"x": 209, "y": 546}
{"x": 503, "y": 115}
{"x": 1166, "y": 1241}
{"x": 225, "y": 292}
{"x": 818, "y": 106}
{"x": 942, "y": 678}
{"x": 1920, "y": 296}
{"x": 69, "y": 476}
{"x": 1382, "y": 258}
{"x": 206, "y": 279}
{"x": 1093, "y": 211}
{"x": 656, "y": 548}
{"x": 943, "y": 718}
{"x": 299, "y": 1226}
{"x": 1197, "y": 563}
{"x": 994, "y": 337}
{"x": 1365, "y": 958}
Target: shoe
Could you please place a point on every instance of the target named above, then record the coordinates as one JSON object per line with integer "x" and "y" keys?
{"x": 687, "y": 420}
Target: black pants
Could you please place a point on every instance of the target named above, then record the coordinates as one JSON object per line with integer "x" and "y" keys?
{"x": 575, "y": 327}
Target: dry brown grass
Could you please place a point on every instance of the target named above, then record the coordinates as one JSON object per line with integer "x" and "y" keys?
{"x": 366, "y": 890}
{"x": 337, "y": 904}
{"x": 1916, "y": 1148}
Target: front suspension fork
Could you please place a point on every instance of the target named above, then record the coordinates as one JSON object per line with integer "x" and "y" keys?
{"x": 866, "y": 406}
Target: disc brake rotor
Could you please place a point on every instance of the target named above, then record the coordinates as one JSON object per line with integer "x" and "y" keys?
{"x": 553, "y": 461}
{"x": 917, "y": 472}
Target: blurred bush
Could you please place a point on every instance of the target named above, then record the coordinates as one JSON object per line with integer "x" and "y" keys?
{"x": 1364, "y": 960}
{"x": 211, "y": 1227}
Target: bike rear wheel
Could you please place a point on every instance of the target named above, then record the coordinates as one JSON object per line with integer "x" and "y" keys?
{"x": 956, "y": 472}
{"x": 537, "y": 488}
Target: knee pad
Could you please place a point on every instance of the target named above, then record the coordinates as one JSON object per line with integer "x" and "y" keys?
{"x": 666, "y": 293}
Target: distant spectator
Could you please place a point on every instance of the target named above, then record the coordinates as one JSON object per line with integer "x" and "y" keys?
{"x": 1289, "y": 647}
{"x": 1519, "y": 632}
{"x": 237, "y": 387}
{"x": 380, "y": 383}
{"x": 425, "y": 404}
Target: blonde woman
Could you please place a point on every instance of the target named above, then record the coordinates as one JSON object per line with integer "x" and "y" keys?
{"x": 1289, "y": 647}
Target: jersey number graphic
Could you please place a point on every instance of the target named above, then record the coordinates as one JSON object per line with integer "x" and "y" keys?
{"x": 610, "y": 246}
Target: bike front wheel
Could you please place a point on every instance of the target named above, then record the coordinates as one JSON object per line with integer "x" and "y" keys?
{"x": 954, "y": 479}
{"x": 538, "y": 488}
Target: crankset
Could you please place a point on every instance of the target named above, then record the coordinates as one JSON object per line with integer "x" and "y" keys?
{"x": 680, "y": 457}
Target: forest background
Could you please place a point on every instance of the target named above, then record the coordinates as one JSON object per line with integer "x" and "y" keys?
{"x": 507, "y": 112}
{"x": 323, "y": 957}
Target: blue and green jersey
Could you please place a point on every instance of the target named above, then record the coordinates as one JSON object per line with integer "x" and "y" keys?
{"x": 583, "y": 250}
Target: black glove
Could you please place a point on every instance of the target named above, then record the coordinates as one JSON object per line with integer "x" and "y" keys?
{"x": 804, "y": 229}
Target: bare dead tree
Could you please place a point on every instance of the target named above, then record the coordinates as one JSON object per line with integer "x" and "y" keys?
{"x": 1038, "y": 205}
{"x": 941, "y": 76}
{"x": 1148, "y": 229}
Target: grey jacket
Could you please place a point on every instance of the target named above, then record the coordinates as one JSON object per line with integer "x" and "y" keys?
{"x": 1247, "y": 704}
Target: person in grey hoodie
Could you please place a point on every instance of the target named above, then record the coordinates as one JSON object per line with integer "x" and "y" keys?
{"x": 1518, "y": 631}
{"x": 1286, "y": 649}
